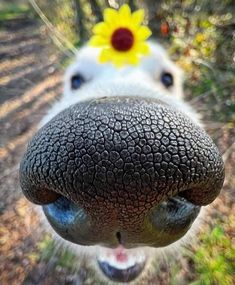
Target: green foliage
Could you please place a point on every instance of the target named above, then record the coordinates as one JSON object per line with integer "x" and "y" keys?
{"x": 48, "y": 250}
{"x": 174, "y": 272}
{"x": 201, "y": 41}
{"x": 9, "y": 11}
{"x": 67, "y": 259}
{"x": 215, "y": 259}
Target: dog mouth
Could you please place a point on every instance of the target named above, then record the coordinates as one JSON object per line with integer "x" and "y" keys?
{"x": 120, "y": 264}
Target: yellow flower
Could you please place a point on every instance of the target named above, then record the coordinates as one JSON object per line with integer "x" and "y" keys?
{"x": 200, "y": 38}
{"x": 121, "y": 36}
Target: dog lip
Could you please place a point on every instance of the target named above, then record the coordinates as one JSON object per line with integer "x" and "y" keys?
{"x": 121, "y": 275}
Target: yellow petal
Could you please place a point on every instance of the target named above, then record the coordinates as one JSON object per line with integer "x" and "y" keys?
{"x": 137, "y": 17}
{"x": 98, "y": 41}
{"x": 110, "y": 15}
{"x": 143, "y": 48}
{"x": 117, "y": 58}
{"x": 102, "y": 29}
{"x": 105, "y": 55}
{"x": 133, "y": 59}
{"x": 143, "y": 33}
{"x": 124, "y": 16}
{"x": 118, "y": 62}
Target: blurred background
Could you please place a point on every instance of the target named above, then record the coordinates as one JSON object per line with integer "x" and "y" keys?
{"x": 37, "y": 41}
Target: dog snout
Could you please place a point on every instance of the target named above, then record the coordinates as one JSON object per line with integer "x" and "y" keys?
{"x": 111, "y": 170}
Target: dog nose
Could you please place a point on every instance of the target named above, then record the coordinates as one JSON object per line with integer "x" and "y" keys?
{"x": 115, "y": 161}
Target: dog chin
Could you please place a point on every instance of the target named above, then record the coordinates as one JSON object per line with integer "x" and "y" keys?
{"x": 120, "y": 264}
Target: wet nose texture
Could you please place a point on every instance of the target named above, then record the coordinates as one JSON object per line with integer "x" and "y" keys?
{"x": 121, "y": 153}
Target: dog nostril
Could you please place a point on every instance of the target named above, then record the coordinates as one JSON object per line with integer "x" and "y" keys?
{"x": 119, "y": 237}
{"x": 38, "y": 195}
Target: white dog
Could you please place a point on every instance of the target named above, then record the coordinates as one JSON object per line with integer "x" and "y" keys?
{"x": 156, "y": 78}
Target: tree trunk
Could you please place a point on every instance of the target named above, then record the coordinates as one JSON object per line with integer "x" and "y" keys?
{"x": 132, "y": 4}
{"x": 96, "y": 10}
{"x": 80, "y": 21}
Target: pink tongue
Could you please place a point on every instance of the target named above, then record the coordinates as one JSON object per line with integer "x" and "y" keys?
{"x": 120, "y": 254}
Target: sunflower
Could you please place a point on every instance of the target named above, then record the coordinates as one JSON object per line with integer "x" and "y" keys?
{"x": 121, "y": 36}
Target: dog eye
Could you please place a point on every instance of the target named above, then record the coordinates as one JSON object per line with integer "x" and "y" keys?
{"x": 167, "y": 79}
{"x": 76, "y": 81}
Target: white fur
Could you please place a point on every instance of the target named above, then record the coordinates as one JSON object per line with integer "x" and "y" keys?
{"x": 106, "y": 80}
{"x": 143, "y": 80}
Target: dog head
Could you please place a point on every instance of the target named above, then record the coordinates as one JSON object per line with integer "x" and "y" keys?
{"x": 121, "y": 162}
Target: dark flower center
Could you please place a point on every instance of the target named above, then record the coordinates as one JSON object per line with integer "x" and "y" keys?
{"x": 122, "y": 39}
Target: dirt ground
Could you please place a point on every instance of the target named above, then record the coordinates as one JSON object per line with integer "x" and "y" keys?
{"x": 30, "y": 81}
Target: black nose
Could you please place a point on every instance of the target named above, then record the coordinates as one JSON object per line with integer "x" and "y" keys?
{"x": 120, "y": 161}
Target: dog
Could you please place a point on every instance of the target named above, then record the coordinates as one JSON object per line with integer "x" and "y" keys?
{"x": 121, "y": 165}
